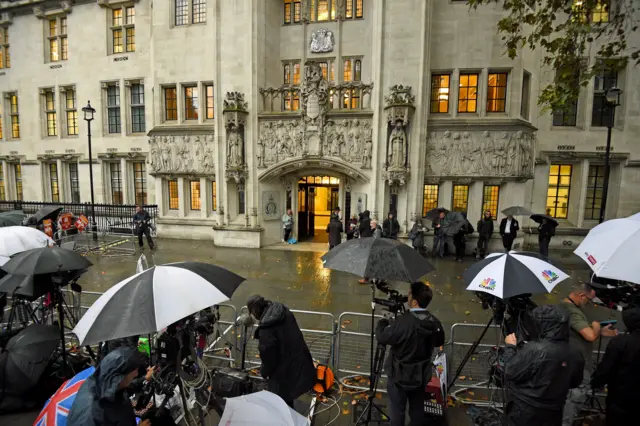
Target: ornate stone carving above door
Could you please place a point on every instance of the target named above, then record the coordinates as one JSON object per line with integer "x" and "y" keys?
{"x": 185, "y": 154}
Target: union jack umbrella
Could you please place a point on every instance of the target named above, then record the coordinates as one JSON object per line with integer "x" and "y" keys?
{"x": 56, "y": 409}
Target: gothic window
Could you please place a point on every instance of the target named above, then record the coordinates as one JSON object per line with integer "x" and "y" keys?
{"x": 460, "y": 198}
{"x": 71, "y": 110}
{"x": 291, "y": 73}
{"x": 51, "y": 124}
{"x": 194, "y": 191}
{"x": 490, "y": 196}
{"x": 430, "y": 199}
{"x": 602, "y": 115}
{"x": 214, "y": 193}
{"x": 113, "y": 109}
{"x": 191, "y": 103}
{"x": 14, "y": 114}
{"x": 3, "y": 194}
{"x": 172, "y": 187}
{"x": 209, "y": 105}
{"x": 74, "y": 182}
{"x": 353, "y": 9}
{"x": 322, "y": 10}
{"x": 137, "y": 108}
{"x": 140, "y": 182}
{"x": 17, "y": 174}
{"x": 53, "y": 182}
{"x": 123, "y": 31}
{"x": 115, "y": 174}
{"x": 292, "y": 11}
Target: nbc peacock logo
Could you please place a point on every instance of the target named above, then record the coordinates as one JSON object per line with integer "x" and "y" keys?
{"x": 488, "y": 284}
{"x": 550, "y": 276}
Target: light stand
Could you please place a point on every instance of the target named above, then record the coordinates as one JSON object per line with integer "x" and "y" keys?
{"x": 89, "y": 111}
{"x": 470, "y": 352}
{"x": 612, "y": 96}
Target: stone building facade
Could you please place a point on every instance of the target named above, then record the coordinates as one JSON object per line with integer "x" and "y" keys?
{"x": 227, "y": 112}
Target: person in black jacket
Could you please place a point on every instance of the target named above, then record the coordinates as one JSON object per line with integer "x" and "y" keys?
{"x": 416, "y": 235}
{"x": 509, "y": 228}
{"x": 390, "y": 227}
{"x": 365, "y": 225}
{"x": 412, "y": 337}
{"x": 485, "y": 230}
{"x": 546, "y": 230}
{"x": 286, "y": 361}
{"x": 141, "y": 220}
{"x": 540, "y": 373}
{"x": 335, "y": 230}
{"x": 620, "y": 371}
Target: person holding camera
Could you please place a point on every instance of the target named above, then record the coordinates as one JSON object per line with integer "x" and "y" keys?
{"x": 141, "y": 219}
{"x": 412, "y": 337}
{"x": 539, "y": 373}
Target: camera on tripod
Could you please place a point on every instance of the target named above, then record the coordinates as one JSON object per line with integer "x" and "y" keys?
{"x": 513, "y": 314}
{"x": 395, "y": 301}
{"x": 615, "y": 294}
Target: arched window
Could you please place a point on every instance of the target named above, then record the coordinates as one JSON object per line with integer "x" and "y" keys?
{"x": 358, "y": 70}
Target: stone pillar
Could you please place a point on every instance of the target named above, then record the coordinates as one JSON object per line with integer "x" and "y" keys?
{"x": 445, "y": 194}
{"x": 160, "y": 196}
{"x": 474, "y": 203}
{"x": 182, "y": 198}
{"x": 235, "y": 119}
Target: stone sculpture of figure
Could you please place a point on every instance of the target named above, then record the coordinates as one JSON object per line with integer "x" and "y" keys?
{"x": 354, "y": 135}
{"x": 315, "y": 42}
{"x": 525, "y": 149}
{"x": 366, "y": 155}
{"x": 154, "y": 154}
{"x": 269, "y": 140}
{"x": 330, "y": 136}
{"x": 512, "y": 157}
{"x": 360, "y": 206}
{"x": 280, "y": 140}
{"x": 397, "y": 144}
{"x": 298, "y": 140}
{"x": 487, "y": 150}
{"x": 207, "y": 159}
{"x": 262, "y": 146}
{"x": 335, "y": 144}
{"x": 234, "y": 155}
{"x": 501, "y": 154}
{"x": 166, "y": 155}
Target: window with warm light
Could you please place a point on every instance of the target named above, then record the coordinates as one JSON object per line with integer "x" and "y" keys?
{"x": 558, "y": 190}
{"x": 14, "y": 113}
{"x": 490, "y": 198}
{"x": 57, "y": 43}
{"x": 291, "y": 73}
{"x": 3, "y": 194}
{"x": 5, "y": 57}
{"x": 74, "y": 182}
{"x": 114, "y": 124}
{"x": 497, "y": 92}
{"x": 71, "y": 111}
{"x": 53, "y": 182}
{"x": 291, "y": 100}
{"x": 115, "y": 174}
{"x": 140, "y": 182}
{"x": 214, "y": 198}
{"x": 600, "y": 12}
{"x": 322, "y": 10}
{"x": 352, "y": 69}
{"x": 468, "y": 93}
{"x": 17, "y": 174}
{"x": 49, "y": 100}
{"x": 353, "y": 9}
{"x": 123, "y": 31}
{"x": 460, "y": 198}
{"x": 170, "y": 104}
{"x": 172, "y": 189}
{"x": 208, "y": 100}
{"x": 191, "y": 103}
{"x": 430, "y": 198}
{"x": 440, "y": 86}
{"x": 595, "y": 190}
{"x": 292, "y": 11}
{"x": 194, "y": 191}
{"x": 1, "y": 134}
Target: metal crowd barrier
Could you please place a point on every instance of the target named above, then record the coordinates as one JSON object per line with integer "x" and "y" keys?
{"x": 224, "y": 340}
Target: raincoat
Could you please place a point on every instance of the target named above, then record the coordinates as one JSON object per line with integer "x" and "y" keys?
{"x": 365, "y": 225}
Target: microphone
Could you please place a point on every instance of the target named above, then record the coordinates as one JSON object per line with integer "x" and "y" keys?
{"x": 245, "y": 320}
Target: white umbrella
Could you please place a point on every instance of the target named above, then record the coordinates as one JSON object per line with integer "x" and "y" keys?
{"x": 611, "y": 249}
{"x": 16, "y": 239}
{"x": 261, "y": 408}
{"x": 511, "y": 274}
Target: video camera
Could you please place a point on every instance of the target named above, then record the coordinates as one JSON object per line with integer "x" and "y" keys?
{"x": 514, "y": 314}
{"x": 615, "y": 294}
{"x": 395, "y": 302}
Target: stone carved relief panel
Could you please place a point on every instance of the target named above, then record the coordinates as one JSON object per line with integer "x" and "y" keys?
{"x": 184, "y": 154}
{"x": 480, "y": 153}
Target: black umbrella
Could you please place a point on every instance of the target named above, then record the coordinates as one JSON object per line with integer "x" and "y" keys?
{"x": 456, "y": 222}
{"x": 48, "y": 212}
{"x": 538, "y": 218}
{"x": 378, "y": 258}
{"x": 12, "y": 218}
{"x": 26, "y": 358}
{"x": 433, "y": 214}
{"x": 45, "y": 260}
{"x": 32, "y": 287}
{"x": 517, "y": 211}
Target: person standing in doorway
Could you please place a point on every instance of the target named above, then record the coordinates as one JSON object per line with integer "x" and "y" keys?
{"x": 390, "y": 227}
{"x": 142, "y": 221}
{"x": 287, "y": 224}
{"x": 546, "y": 230}
{"x": 365, "y": 229}
{"x": 508, "y": 231}
{"x": 335, "y": 230}
{"x": 352, "y": 228}
{"x": 485, "y": 230}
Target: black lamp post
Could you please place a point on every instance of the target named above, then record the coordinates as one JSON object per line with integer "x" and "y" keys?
{"x": 89, "y": 111}
{"x": 612, "y": 96}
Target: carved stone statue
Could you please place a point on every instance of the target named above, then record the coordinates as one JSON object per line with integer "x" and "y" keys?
{"x": 234, "y": 143}
{"x": 397, "y": 146}
{"x": 181, "y": 154}
{"x": 322, "y": 41}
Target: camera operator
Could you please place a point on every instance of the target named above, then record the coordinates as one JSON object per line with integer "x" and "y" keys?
{"x": 540, "y": 373}
{"x": 286, "y": 361}
{"x": 141, "y": 219}
{"x": 620, "y": 371}
{"x": 412, "y": 337}
{"x": 582, "y": 336}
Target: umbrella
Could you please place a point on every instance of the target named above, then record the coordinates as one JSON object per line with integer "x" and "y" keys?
{"x": 154, "y": 299}
{"x": 539, "y": 217}
{"x": 12, "y": 218}
{"x": 26, "y": 357}
{"x": 611, "y": 249}
{"x": 511, "y": 274}
{"x": 517, "y": 211}
{"x": 45, "y": 260}
{"x": 48, "y": 212}
{"x": 456, "y": 222}
{"x": 16, "y": 239}
{"x": 56, "y": 409}
{"x": 34, "y": 286}
{"x": 379, "y": 258}
{"x": 261, "y": 408}
{"x": 433, "y": 214}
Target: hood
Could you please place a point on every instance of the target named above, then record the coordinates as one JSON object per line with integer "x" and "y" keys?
{"x": 426, "y": 327}
{"x": 273, "y": 315}
{"x": 366, "y": 214}
{"x": 552, "y": 322}
{"x": 631, "y": 318}
{"x": 112, "y": 369}
{"x": 487, "y": 218}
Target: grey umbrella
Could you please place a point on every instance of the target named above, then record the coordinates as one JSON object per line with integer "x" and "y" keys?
{"x": 433, "y": 214}
{"x": 538, "y": 218}
{"x": 456, "y": 221}
{"x": 12, "y": 218}
{"x": 48, "y": 212}
{"x": 517, "y": 211}
{"x": 45, "y": 260}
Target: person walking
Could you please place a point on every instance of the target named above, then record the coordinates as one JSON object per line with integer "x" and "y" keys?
{"x": 485, "y": 230}
{"x": 364, "y": 228}
{"x": 539, "y": 373}
{"x": 287, "y": 224}
{"x": 390, "y": 227}
{"x": 287, "y": 364}
{"x": 335, "y": 230}
{"x": 509, "y": 228}
{"x": 619, "y": 370}
{"x": 582, "y": 336}
{"x": 416, "y": 235}
{"x": 546, "y": 230}
{"x": 142, "y": 221}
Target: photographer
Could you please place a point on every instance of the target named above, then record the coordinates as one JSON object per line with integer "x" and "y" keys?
{"x": 412, "y": 337}
{"x": 286, "y": 361}
{"x": 620, "y": 371}
{"x": 141, "y": 219}
{"x": 540, "y": 373}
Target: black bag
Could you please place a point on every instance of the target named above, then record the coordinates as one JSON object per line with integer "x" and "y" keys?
{"x": 229, "y": 383}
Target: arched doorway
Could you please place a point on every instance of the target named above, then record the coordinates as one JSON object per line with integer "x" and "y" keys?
{"x": 318, "y": 197}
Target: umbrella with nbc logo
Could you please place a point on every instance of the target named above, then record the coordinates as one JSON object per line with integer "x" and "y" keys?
{"x": 506, "y": 275}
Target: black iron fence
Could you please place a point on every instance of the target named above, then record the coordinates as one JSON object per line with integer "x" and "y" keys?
{"x": 108, "y": 216}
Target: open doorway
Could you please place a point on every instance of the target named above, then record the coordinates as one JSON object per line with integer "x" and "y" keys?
{"x": 318, "y": 196}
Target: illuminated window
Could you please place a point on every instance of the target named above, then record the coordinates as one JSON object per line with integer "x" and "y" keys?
{"x": 600, "y": 12}
{"x": 468, "y": 93}
{"x": 3, "y": 195}
{"x": 351, "y": 99}
{"x": 558, "y": 191}
{"x": 602, "y": 114}
{"x": 17, "y": 173}
{"x": 123, "y": 29}
{"x": 5, "y": 57}
{"x": 214, "y": 198}
{"x": 71, "y": 111}
{"x": 351, "y": 6}
{"x": 138, "y": 124}
{"x": 490, "y": 196}
{"x": 440, "y": 93}
{"x": 15, "y": 115}
{"x": 347, "y": 74}
{"x": 172, "y": 186}
{"x": 58, "y": 48}
{"x": 182, "y": 12}
{"x": 497, "y": 92}
{"x": 291, "y": 73}
{"x": 460, "y": 198}
{"x": 113, "y": 109}
{"x": 140, "y": 182}
{"x": 194, "y": 191}
{"x": 198, "y": 11}
{"x": 292, "y": 10}
{"x": 116, "y": 183}
{"x": 291, "y": 100}
{"x": 50, "y": 112}
{"x": 322, "y": 10}
{"x": 53, "y": 181}
{"x": 170, "y": 104}
{"x": 74, "y": 182}
{"x": 190, "y": 103}
{"x": 595, "y": 188}
{"x": 430, "y": 200}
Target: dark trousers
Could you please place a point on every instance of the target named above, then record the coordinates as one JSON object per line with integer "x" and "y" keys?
{"x": 543, "y": 242}
{"x": 519, "y": 414}
{"x": 459, "y": 243}
{"x": 144, "y": 230}
{"x": 483, "y": 245}
{"x": 507, "y": 241}
{"x": 398, "y": 399}
{"x": 287, "y": 234}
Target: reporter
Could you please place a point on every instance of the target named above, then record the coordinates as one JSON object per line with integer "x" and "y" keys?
{"x": 412, "y": 337}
